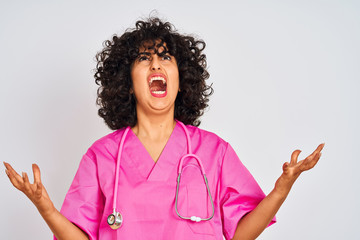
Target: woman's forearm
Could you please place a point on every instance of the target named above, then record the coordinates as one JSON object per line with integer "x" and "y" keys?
{"x": 254, "y": 223}
{"x": 61, "y": 227}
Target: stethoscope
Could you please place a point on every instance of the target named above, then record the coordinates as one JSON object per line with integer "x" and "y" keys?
{"x": 115, "y": 219}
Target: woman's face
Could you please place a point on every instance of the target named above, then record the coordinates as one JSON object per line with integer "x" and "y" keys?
{"x": 155, "y": 81}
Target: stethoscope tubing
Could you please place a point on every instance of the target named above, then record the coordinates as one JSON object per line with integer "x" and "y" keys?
{"x": 118, "y": 167}
{"x": 191, "y": 155}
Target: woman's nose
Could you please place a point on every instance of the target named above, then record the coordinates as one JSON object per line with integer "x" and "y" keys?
{"x": 155, "y": 64}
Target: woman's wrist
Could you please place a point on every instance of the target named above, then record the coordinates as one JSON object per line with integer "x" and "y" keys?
{"x": 283, "y": 186}
{"x": 48, "y": 212}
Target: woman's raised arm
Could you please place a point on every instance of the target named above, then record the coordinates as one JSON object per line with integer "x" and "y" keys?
{"x": 62, "y": 228}
{"x": 254, "y": 223}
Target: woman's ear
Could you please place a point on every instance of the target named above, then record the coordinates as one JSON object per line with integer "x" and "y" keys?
{"x": 131, "y": 91}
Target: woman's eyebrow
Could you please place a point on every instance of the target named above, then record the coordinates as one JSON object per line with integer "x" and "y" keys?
{"x": 145, "y": 53}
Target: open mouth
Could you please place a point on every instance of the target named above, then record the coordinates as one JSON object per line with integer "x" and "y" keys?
{"x": 157, "y": 85}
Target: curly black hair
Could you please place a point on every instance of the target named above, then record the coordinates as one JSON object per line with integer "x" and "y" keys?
{"x": 114, "y": 62}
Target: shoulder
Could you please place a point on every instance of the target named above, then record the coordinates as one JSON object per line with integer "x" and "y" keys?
{"x": 107, "y": 144}
{"x": 207, "y": 139}
{"x": 196, "y": 131}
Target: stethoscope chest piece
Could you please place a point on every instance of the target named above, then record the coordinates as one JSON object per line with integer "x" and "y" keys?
{"x": 115, "y": 220}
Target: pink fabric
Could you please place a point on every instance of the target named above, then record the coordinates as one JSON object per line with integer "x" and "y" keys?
{"x": 146, "y": 194}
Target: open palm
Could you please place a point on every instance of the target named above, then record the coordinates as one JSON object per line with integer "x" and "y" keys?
{"x": 293, "y": 169}
{"x": 35, "y": 191}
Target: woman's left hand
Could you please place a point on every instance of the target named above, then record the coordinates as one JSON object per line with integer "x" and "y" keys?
{"x": 293, "y": 169}
{"x": 256, "y": 221}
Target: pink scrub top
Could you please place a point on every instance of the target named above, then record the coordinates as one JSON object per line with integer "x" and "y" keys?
{"x": 146, "y": 190}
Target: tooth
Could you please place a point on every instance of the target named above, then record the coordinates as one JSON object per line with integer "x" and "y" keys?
{"x": 158, "y": 92}
{"x": 157, "y": 78}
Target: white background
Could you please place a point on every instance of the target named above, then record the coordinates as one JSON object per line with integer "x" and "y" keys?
{"x": 285, "y": 73}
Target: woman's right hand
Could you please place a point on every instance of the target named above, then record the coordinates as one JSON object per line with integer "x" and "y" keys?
{"x": 59, "y": 225}
{"x": 35, "y": 191}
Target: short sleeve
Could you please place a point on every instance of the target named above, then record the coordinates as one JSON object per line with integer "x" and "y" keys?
{"x": 84, "y": 202}
{"x": 239, "y": 192}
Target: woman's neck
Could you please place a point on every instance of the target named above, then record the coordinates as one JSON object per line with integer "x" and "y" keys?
{"x": 154, "y": 127}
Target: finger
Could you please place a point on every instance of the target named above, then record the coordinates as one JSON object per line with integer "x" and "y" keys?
{"x": 317, "y": 150}
{"x": 36, "y": 172}
{"x": 13, "y": 172}
{"x": 310, "y": 162}
{"x": 320, "y": 147}
{"x": 38, "y": 191}
{"x": 285, "y": 166}
{"x": 13, "y": 180}
{"x": 312, "y": 159}
{"x": 315, "y": 160}
{"x": 294, "y": 156}
{"x": 14, "y": 177}
{"x": 27, "y": 187}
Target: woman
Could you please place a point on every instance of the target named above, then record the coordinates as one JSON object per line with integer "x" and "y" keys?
{"x": 152, "y": 84}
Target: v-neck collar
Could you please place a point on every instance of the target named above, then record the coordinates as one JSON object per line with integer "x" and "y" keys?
{"x": 160, "y": 170}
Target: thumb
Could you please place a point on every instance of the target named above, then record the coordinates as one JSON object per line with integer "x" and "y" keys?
{"x": 285, "y": 166}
